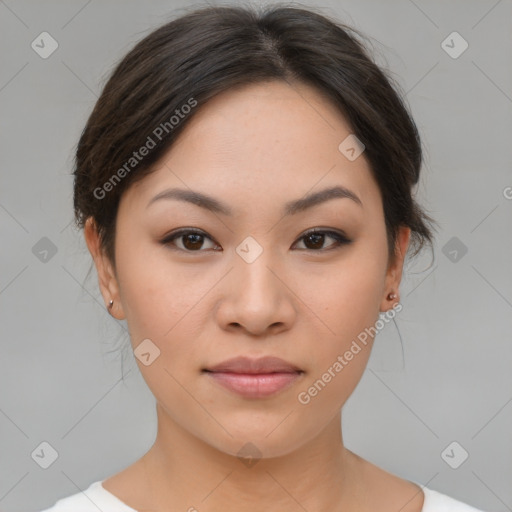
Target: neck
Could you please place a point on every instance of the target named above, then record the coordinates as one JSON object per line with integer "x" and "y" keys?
{"x": 185, "y": 473}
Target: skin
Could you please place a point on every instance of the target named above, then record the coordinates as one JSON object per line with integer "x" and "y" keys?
{"x": 254, "y": 148}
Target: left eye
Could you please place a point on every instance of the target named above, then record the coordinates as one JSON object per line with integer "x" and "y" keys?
{"x": 317, "y": 237}
{"x": 193, "y": 240}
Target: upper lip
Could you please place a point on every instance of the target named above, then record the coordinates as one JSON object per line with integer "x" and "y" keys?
{"x": 267, "y": 364}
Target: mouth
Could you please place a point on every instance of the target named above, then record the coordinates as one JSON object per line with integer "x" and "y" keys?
{"x": 254, "y": 378}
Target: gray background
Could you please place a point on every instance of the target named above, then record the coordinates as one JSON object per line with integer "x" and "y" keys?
{"x": 61, "y": 367}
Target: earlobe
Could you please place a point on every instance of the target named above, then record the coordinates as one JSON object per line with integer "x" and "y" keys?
{"x": 394, "y": 272}
{"x": 107, "y": 279}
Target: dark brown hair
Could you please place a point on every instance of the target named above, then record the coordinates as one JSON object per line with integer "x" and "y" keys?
{"x": 159, "y": 85}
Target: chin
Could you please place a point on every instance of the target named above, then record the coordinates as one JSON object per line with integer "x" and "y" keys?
{"x": 257, "y": 438}
{"x": 251, "y": 449}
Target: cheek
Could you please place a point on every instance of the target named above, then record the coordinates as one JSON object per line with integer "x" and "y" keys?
{"x": 346, "y": 296}
{"x": 163, "y": 301}
{"x": 163, "y": 304}
{"x": 347, "y": 304}
{"x": 339, "y": 361}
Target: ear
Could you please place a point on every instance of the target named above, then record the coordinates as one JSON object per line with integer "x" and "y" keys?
{"x": 107, "y": 279}
{"x": 395, "y": 268}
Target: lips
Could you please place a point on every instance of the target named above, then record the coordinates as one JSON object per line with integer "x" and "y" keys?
{"x": 254, "y": 378}
{"x": 261, "y": 365}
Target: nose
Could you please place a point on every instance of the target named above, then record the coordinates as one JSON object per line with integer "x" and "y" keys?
{"x": 257, "y": 298}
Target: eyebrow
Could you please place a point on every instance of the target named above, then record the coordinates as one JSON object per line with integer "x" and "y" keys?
{"x": 290, "y": 208}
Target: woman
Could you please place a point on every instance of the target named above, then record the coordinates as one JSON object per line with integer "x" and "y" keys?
{"x": 245, "y": 187}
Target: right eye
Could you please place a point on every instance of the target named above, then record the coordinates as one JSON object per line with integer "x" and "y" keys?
{"x": 191, "y": 240}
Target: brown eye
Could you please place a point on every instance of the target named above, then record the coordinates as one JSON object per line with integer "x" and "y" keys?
{"x": 191, "y": 241}
{"x": 314, "y": 240}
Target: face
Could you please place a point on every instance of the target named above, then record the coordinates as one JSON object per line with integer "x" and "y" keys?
{"x": 253, "y": 280}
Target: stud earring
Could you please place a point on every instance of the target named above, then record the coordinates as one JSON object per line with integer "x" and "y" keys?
{"x": 391, "y": 296}
{"x": 110, "y": 304}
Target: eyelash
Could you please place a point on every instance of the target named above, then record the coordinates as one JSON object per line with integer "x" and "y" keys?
{"x": 339, "y": 237}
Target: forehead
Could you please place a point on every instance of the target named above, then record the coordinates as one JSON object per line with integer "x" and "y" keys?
{"x": 269, "y": 116}
{"x": 262, "y": 141}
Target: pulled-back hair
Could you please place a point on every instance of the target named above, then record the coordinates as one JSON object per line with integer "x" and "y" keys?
{"x": 169, "y": 75}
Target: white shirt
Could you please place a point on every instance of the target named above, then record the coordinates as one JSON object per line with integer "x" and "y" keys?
{"x": 96, "y": 497}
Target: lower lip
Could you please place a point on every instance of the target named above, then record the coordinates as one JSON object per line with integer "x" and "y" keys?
{"x": 255, "y": 385}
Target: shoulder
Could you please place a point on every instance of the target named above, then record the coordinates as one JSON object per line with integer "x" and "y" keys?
{"x": 406, "y": 495}
{"x": 437, "y": 502}
{"x": 92, "y": 499}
